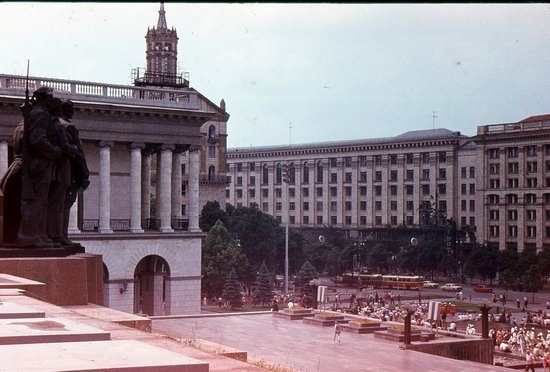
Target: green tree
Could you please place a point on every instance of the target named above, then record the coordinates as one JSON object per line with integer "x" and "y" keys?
{"x": 486, "y": 258}
{"x": 263, "y": 286}
{"x": 304, "y": 276}
{"x": 260, "y": 237}
{"x": 508, "y": 262}
{"x": 232, "y": 290}
{"x": 219, "y": 256}
{"x": 210, "y": 214}
{"x": 532, "y": 280}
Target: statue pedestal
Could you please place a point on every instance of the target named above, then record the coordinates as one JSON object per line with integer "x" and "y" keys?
{"x": 11, "y": 251}
{"x": 73, "y": 280}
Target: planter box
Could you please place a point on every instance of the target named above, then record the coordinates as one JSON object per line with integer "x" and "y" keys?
{"x": 294, "y": 314}
{"x": 361, "y": 328}
{"x": 325, "y": 320}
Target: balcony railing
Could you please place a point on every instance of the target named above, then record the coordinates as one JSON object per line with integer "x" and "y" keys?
{"x": 89, "y": 225}
{"x": 512, "y": 127}
{"x": 214, "y": 178}
{"x": 120, "y": 224}
{"x": 108, "y": 93}
{"x": 181, "y": 224}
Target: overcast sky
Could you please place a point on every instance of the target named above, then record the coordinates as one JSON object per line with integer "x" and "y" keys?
{"x": 335, "y": 71}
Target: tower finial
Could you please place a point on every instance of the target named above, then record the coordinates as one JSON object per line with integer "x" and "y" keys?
{"x": 161, "y": 24}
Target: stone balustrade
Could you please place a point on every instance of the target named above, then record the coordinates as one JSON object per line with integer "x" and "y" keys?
{"x": 183, "y": 98}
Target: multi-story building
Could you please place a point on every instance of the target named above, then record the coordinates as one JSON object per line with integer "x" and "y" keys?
{"x": 369, "y": 184}
{"x": 152, "y": 166}
{"x": 514, "y": 183}
{"x": 354, "y": 185}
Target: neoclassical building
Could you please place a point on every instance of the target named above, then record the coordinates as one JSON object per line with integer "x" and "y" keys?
{"x": 156, "y": 153}
{"x": 383, "y": 183}
{"x": 514, "y": 179}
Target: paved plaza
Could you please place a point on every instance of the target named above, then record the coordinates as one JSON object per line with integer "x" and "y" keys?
{"x": 309, "y": 348}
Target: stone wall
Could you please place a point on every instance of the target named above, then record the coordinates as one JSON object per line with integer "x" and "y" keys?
{"x": 121, "y": 256}
{"x": 476, "y": 350}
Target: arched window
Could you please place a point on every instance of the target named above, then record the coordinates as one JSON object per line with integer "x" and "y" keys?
{"x": 319, "y": 171}
{"x": 279, "y": 173}
{"x": 212, "y": 133}
{"x": 265, "y": 175}
{"x": 211, "y": 172}
{"x": 305, "y": 173}
{"x": 291, "y": 173}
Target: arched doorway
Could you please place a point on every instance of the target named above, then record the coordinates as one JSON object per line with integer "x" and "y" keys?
{"x": 150, "y": 285}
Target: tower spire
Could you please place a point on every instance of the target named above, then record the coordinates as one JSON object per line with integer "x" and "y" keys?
{"x": 161, "y": 24}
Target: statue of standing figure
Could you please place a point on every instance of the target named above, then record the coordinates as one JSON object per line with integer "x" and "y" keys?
{"x": 51, "y": 168}
{"x": 80, "y": 175}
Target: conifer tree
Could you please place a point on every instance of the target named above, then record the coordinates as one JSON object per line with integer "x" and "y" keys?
{"x": 306, "y": 273}
{"x": 263, "y": 286}
{"x": 232, "y": 290}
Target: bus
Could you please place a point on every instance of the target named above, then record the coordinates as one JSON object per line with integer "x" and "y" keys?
{"x": 367, "y": 280}
{"x": 402, "y": 282}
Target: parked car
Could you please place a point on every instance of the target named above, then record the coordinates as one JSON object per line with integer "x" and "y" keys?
{"x": 429, "y": 284}
{"x": 451, "y": 287}
{"x": 483, "y": 289}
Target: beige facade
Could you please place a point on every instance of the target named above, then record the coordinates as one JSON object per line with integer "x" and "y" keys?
{"x": 359, "y": 185}
{"x": 514, "y": 182}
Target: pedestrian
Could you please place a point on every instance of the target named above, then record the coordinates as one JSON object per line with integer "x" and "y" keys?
{"x": 274, "y": 306}
{"x": 525, "y": 302}
{"x": 529, "y": 362}
{"x": 337, "y": 331}
{"x": 220, "y": 301}
{"x": 204, "y": 301}
{"x": 518, "y": 303}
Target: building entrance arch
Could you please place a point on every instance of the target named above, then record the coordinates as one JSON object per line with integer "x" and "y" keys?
{"x": 150, "y": 276}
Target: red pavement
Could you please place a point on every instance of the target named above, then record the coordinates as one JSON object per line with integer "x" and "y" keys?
{"x": 310, "y": 348}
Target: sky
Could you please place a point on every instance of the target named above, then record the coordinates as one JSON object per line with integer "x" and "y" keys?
{"x": 329, "y": 71}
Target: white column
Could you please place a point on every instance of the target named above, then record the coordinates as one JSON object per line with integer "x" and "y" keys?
{"x": 165, "y": 197}
{"x": 146, "y": 186}
{"x": 135, "y": 187}
{"x": 3, "y": 157}
{"x": 157, "y": 186}
{"x": 193, "y": 190}
{"x": 73, "y": 219}
{"x": 105, "y": 187}
{"x": 176, "y": 184}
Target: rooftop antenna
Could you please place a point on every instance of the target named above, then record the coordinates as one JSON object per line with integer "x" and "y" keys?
{"x": 433, "y": 119}
{"x": 290, "y": 132}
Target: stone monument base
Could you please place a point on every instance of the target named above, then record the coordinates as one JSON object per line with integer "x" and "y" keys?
{"x": 72, "y": 280}
{"x": 11, "y": 251}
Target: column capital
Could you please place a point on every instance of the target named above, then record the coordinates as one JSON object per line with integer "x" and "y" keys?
{"x": 181, "y": 149}
{"x": 105, "y": 144}
{"x": 137, "y": 145}
{"x": 166, "y": 146}
{"x": 194, "y": 148}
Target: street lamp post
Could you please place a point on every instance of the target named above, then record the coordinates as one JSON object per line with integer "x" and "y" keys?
{"x": 286, "y": 179}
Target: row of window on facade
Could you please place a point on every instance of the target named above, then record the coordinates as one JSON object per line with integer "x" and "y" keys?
{"x": 348, "y": 191}
{"x": 530, "y": 231}
{"x": 377, "y": 160}
{"x": 512, "y": 215}
{"x": 513, "y": 199}
{"x": 513, "y": 183}
{"x": 348, "y": 176}
{"x": 513, "y": 152}
{"x": 513, "y": 167}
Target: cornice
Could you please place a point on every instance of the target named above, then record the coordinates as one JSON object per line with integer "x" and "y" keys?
{"x": 231, "y": 154}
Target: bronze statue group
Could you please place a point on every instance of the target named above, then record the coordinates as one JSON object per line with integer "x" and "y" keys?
{"x": 48, "y": 171}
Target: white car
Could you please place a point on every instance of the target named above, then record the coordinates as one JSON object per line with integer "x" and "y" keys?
{"x": 451, "y": 287}
{"x": 429, "y": 284}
